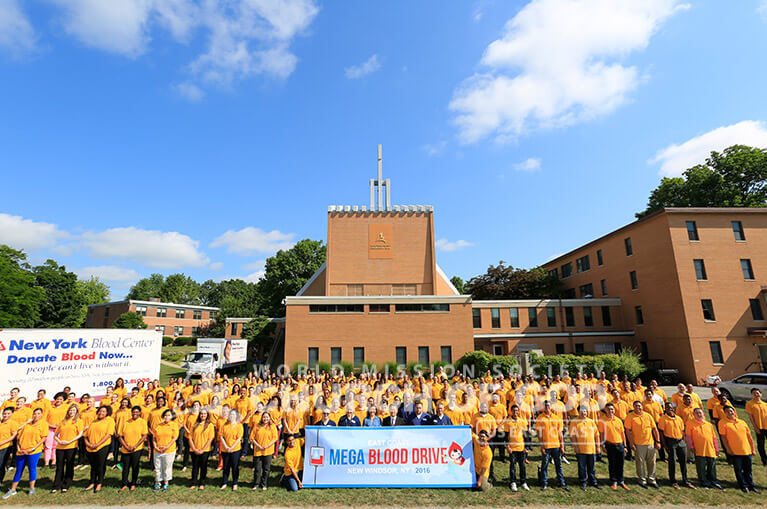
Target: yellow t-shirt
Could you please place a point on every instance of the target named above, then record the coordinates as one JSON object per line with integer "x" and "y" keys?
{"x": 293, "y": 458}
{"x": 612, "y": 429}
{"x": 736, "y": 433}
{"x": 584, "y": 435}
{"x": 703, "y": 437}
{"x": 483, "y": 457}
{"x": 31, "y": 434}
{"x": 483, "y": 423}
{"x": 9, "y": 403}
{"x": 7, "y": 429}
{"x": 56, "y": 414}
{"x": 641, "y": 427}
{"x": 98, "y": 430}
{"x": 201, "y": 434}
{"x": 22, "y": 415}
{"x": 232, "y": 434}
{"x": 671, "y": 427}
{"x": 263, "y": 435}
{"x": 515, "y": 437}
{"x": 548, "y": 429}
{"x": 758, "y": 411}
{"x": 131, "y": 431}
{"x": 68, "y": 430}
{"x": 165, "y": 434}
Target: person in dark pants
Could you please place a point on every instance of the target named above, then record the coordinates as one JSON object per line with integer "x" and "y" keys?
{"x": 757, "y": 413}
{"x": 584, "y": 436}
{"x": 185, "y": 430}
{"x": 549, "y": 429}
{"x": 263, "y": 437}
{"x": 613, "y": 436}
{"x": 66, "y": 436}
{"x": 671, "y": 428}
{"x": 201, "y": 436}
{"x": 516, "y": 427}
{"x": 97, "y": 441}
{"x": 131, "y": 435}
{"x": 737, "y": 441}
{"x": 231, "y": 445}
{"x": 8, "y": 431}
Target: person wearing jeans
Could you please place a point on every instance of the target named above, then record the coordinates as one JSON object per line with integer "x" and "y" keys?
{"x": 263, "y": 437}
{"x": 644, "y": 441}
{"x": 8, "y": 431}
{"x": 737, "y": 441}
{"x": 231, "y": 445}
{"x": 613, "y": 435}
{"x": 757, "y": 413}
{"x": 98, "y": 438}
{"x": 671, "y": 427}
{"x": 67, "y": 434}
{"x": 516, "y": 427}
{"x": 164, "y": 439}
{"x": 703, "y": 443}
{"x": 291, "y": 473}
{"x": 549, "y": 429}
{"x": 201, "y": 436}
{"x": 31, "y": 439}
{"x": 584, "y": 435}
{"x": 131, "y": 435}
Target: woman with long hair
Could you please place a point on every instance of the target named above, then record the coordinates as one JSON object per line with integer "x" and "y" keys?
{"x": 122, "y": 414}
{"x": 231, "y": 444}
{"x": 97, "y": 440}
{"x": 132, "y": 433}
{"x": 67, "y": 434}
{"x": 164, "y": 440}
{"x": 54, "y": 416}
{"x": 30, "y": 441}
{"x": 120, "y": 388}
{"x": 263, "y": 437}
{"x": 186, "y": 423}
{"x": 201, "y": 436}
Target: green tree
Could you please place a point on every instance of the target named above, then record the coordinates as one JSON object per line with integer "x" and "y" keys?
{"x": 129, "y": 320}
{"x": 505, "y": 282}
{"x": 736, "y": 177}
{"x": 180, "y": 289}
{"x": 19, "y": 297}
{"x": 92, "y": 291}
{"x": 458, "y": 283}
{"x": 234, "y": 298}
{"x": 147, "y": 288}
{"x": 286, "y": 272}
{"x": 62, "y": 302}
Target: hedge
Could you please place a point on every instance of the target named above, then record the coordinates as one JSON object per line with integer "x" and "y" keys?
{"x": 184, "y": 341}
{"x": 167, "y": 341}
{"x": 476, "y": 364}
{"x": 624, "y": 363}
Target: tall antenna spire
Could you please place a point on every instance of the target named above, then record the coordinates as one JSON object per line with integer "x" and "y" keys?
{"x": 382, "y": 185}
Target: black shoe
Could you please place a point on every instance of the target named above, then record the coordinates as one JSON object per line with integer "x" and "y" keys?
{"x": 597, "y": 486}
{"x": 583, "y": 488}
{"x": 753, "y": 489}
{"x": 544, "y": 487}
{"x": 744, "y": 490}
{"x": 718, "y": 486}
{"x": 565, "y": 488}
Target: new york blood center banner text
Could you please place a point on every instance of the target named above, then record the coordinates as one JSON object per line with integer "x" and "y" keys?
{"x": 87, "y": 360}
{"x": 396, "y": 457}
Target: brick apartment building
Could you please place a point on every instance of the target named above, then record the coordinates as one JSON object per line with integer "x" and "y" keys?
{"x": 168, "y": 318}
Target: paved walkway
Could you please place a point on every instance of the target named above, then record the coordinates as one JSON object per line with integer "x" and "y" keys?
{"x": 174, "y": 365}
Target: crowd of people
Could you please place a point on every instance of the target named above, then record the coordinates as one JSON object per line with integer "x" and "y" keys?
{"x": 215, "y": 422}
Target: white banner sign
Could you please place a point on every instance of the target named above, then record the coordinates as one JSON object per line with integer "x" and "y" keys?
{"x": 87, "y": 360}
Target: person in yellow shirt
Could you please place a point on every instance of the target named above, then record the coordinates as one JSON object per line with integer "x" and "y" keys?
{"x": 516, "y": 426}
{"x": 686, "y": 409}
{"x": 68, "y": 432}
{"x": 30, "y": 440}
{"x": 671, "y": 429}
{"x": 11, "y": 402}
{"x": 164, "y": 436}
{"x": 756, "y": 409}
{"x": 737, "y": 441}
{"x": 613, "y": 436}
{"x": 87, "y": 415}
{"x": 185, "y": 424}
{"x": 201, "y": 435}
{"x": 293, "y": 470}
{"x": 483, "y": 460}
{"x": 549, "y": 429}
{"x": 231, "y": 444}
{"x": 644, "y": 441}
{"x": 8, "y": 431}
{"x": 584, "y": 435}
{"x": 263, "y": 437}
{"x": 98, "y": 436}
{"x": 55, "y": 414}
{"x": 703, "y": 443}
{"x": 131, "y": 433}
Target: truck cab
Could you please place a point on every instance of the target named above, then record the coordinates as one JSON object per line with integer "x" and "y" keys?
{"x": 200, "y": 363}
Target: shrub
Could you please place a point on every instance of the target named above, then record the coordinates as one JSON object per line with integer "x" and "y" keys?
{"x": 416, "y": 368}
{"x": 434, "y": 367}
{"x": 347, "y": 367}
{"x": 184, "y": 341}
{"x": 322, "y": 366}
{"x": 299, "y": 368}
{"x": 369, "y": 367}
{"x": 624, "y": 363}
{"x": 392, "y": 368}
{"x": 477, "y": 363}
{"x": 167, "y": 341}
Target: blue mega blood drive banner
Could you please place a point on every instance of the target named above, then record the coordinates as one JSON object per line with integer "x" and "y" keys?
{"x": 397, "y": 457}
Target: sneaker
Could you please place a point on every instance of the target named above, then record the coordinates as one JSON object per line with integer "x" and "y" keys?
{"x": 624, "y": 486}
{"x": 643, "y": 485}
{"x": 164, "y": 487}
{"x": 513, "y": 486}
{"x": 654, "y": 485}
{"x": 543, "y": 488}
{"x": 583, "y": 488}
{"x": 525, "y": 486}
{"x": 565, "y": 488}
{"x": 718, "y": 486}
{"x": 223, "y": 487}
{"x": 754, "y": 490}
{"x": 9, "y": 494}
{"x": 598, "y": 487}
{"x": 31, "y": 491}
{"x": 156, "y": 487}
{"x": 565, "y": 460}
{"x": 614, "y": 486}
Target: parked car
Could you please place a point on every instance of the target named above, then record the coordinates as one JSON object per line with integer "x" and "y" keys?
{"x": 739, "y": 389}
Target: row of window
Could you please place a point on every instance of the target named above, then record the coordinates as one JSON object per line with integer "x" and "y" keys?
{"x": 600, "y": 348}
{"x": 400, "y": 355}
{"x": 378, "y": 308}
{"x": 532, "y": 317}
{"x": 745, "y": 267}
{"x": 178, "y": 330}
{"x": 163, "y": 312}
{"x": 737, "y": 231}
{"x": 755, "y": 305}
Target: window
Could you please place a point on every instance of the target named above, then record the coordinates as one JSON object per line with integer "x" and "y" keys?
{"x": 160, "y": 329}
{"x": 582, "y": 264}
{"x": 314, "y": 356}
{"x": 178, "y": 330}
{"x": 514, "y": 314}
{"x": 400, "y": 354}
{"x": 497, "y": 349}
{"x": 600, "y": 260}
{"x": 708, "y": 310}
{"x": 756, "y": 309}
{"x": 379, "y": 308}
{"x": 410, "y": 308}
{"x": 606, "y": 318}
{"x": 181, "y": 313}
{"x": 476, "y": 317}
{"x": 532, "y": 316}
{"x": 162, "y": 312}
{"x": 195, "y": 332}
{"x": 141, "y": 310}
{"x": 603, "y": 348}
{"x": 335, "y": 355}
{"x": 579, "y": 348}
{"x": 603, "y": 284}
{"x": 234, "y": 329}
{"x": 197, "y": 314}
{"x": 569, "y": 293}
{"x": 692, "y": 230}
{"x": 336, "y": 308}
{"x": 551, "y": 317}
{"x": 716, "y": 352}
{"x": 423, "y": 354}
{"x": 588, "y": 318}
{"x": 569, "y": 317}
{"x": 638, "y": 315}
{"x": 567, "y": 270}
{"x": 354, "y": 290}
{"x": 586, "y": 291}
{"x": 737, "y": 230}
{"x": 633, "y": 278}
{"x": 106, "y": 316}
{"x": 446, "y": 352}
{"x": 495, "y": 318}
{"x": 560, "y": 348}
{"x": 748, "y": 271}
{"x": 629, "y": 248}
{"x": 554, "y": 272}
{"x": 700, "y": 270}
{"x": 401, "y": 289}
{"x": 359, "y": 356}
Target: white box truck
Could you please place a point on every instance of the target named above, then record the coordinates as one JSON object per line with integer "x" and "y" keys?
{"x": 216, "y": 354}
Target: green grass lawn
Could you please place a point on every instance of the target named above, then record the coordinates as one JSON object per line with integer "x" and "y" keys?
{"x": 500, "y": 495}
{"x": 176, "y": 353}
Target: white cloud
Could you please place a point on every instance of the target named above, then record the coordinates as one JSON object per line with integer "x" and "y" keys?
{"x": 530, "y": 164}
{"x": 762, "y": 9}
{"x": 189, "y": 91}
{"x": 257, "y": 265}
{"x": 157, "y": 249}
{"x": 674, "y": 159}
{"x": 445, "y": 245}
{"x": 254, "y": 240}
{"x": 254, "y": 277}
{"x": 16, "y": 33}
{"x": 556, "y": 64}
{"x": 108, "y": 273}
{"x": 434, "y": 149}
{"x": 216, "y": 266}
{"x": 20, "y": 233}
{"x": 369, "y": 66}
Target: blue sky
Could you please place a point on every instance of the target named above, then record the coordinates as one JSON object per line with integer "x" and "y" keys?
{"x": 142, "y": 136}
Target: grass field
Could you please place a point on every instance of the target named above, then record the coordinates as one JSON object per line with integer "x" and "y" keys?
{"x": 176, "y": 353}
{"x": 500, "y": 495}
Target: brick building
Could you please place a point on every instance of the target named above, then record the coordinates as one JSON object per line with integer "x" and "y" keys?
{"x": 168, "y": 318}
